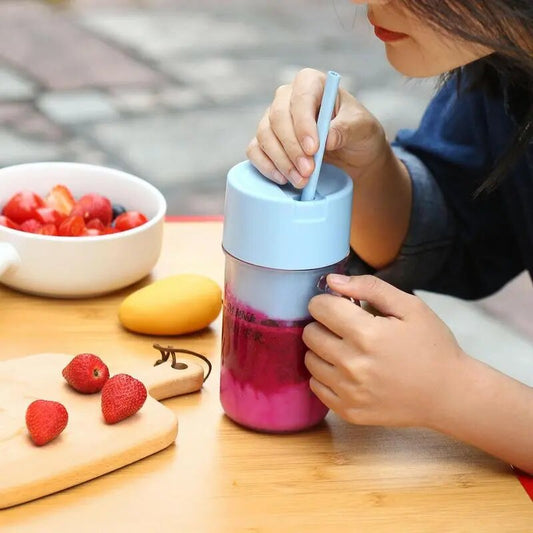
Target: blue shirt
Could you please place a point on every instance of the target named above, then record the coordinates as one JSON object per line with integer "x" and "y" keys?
{"x": 459, "y": 244}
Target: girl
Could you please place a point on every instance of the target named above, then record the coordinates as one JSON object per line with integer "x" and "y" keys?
{"x": 446, "y": 208}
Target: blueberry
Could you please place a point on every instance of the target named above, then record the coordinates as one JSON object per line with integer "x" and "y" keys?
{"x": 118, "y": 210}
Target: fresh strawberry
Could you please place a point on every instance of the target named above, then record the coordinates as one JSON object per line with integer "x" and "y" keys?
{"x": 86, "y": 373}
{"x": 122, "y": 396}
{"x": 92, "y": 206}
{"x": 45, "y": 420}
{"x": 8, "y": 223}
{"x": 72, "y": 226}
{"x": 31, "y": 226}
{"x": 60, "y": 198}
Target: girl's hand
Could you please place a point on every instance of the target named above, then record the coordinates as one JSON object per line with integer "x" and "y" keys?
{"x": 397, "y": 369}
{"x": 287, "y": 136}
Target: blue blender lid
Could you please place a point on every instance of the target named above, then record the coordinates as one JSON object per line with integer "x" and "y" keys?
{"x": 266, "y": 224}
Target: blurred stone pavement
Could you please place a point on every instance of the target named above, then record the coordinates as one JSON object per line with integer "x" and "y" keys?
{"x": 172, "y": 91}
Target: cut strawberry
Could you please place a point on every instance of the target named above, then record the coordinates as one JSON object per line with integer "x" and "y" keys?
{"x": 22, "y": 206}
{"x": 8, "y": 223}
{"x": 110, "y": 229}
{"x": 60, "y": 198}
{"x": 91, "y": 232}
{"x": 96, "y": 223}
{"x": 94, "y": 206}
{"x": 72, "y": 226}
{"x": 129, "y": 220}
{"x": 31, "y": 226}
{"x": 49, "y": 215}
{"x": 47, "y": 229}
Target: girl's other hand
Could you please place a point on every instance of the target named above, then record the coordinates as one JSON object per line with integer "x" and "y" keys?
{"x": 399, "y": 369}
{"x": 287, "y": 136}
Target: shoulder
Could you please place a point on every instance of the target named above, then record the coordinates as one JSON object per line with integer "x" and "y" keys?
{"x": 485, "y": 95}
{"x": 466, "y": 122}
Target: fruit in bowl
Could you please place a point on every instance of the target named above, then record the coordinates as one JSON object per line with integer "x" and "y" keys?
{"x": 60, "y": 214}
{"x": 71, "y": 230}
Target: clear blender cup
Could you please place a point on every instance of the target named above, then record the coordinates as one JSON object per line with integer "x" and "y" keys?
{"x": 277, "y": 249}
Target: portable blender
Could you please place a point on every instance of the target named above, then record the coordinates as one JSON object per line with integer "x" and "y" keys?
{"x": 277, "y": 247}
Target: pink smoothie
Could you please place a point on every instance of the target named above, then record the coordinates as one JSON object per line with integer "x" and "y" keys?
{"x": 264, "y": 383}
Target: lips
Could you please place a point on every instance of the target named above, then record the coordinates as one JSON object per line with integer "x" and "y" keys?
{"x": 384, "y": 34}
{"x": 388, "y": 36}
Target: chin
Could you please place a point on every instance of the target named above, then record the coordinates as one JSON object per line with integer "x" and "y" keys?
{"x": 406, "y": 64}
{"x": 414, "y": 62}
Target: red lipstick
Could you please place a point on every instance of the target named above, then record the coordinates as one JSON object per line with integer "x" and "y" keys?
{"x": 388, "y": 36}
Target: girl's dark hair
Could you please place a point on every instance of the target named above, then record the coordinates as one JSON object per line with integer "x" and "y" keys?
{"x": 505, "y": 26}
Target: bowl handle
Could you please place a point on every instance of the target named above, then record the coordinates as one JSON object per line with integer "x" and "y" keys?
{"x": 8, "y": 257}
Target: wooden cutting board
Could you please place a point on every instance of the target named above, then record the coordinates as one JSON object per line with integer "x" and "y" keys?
{"x": 88, "y": 447}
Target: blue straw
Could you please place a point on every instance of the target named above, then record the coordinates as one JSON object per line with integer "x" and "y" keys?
{"x": 324, "y": 118}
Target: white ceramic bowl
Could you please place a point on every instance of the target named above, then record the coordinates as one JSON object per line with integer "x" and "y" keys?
{"x": 78, "y": 267}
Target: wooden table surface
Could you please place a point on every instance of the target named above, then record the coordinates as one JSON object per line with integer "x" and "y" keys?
{"x": 219, "y": 477}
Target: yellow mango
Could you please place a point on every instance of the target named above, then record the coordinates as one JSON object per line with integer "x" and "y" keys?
{"x": 172, "y": 306}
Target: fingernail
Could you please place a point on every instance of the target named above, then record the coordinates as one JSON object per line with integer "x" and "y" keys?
{"x": 308, "y": 144}
{"x": 295, "y": 178}
{"x": 338, "y": 278}
{"x": 278, "y": 177}
{"x": 322, "y": 286}
{"x": 304, "y": 165}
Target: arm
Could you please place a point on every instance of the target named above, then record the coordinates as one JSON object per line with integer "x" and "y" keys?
{"x": 490, "y": 411}
{"x": 287, "y": 138}
{"x": 456, "y": 243}
{"x": 381, "y": 210}
{"x": 405, "y": 368}
{"x": 414, "y": 216}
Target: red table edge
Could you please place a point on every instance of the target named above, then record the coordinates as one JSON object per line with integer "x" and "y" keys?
{"x": 525, "y": 480}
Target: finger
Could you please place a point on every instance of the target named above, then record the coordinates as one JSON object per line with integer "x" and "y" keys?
{"x": 386, "y": 298}
{"x": 352, "y": 125}
{"x": 325, "y": 394}
{"x": 339, "y": 315}
{"x": 321, "y": 370}
{"x": 263, "y": 163}
{"x": 307, "y": 91}
{"x": 270, "y": 145}
{"x": 322, "y": 341}
{"x": 282, "y": 125}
